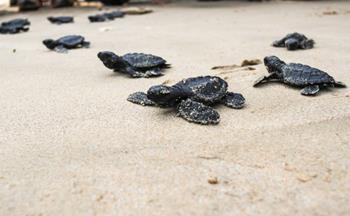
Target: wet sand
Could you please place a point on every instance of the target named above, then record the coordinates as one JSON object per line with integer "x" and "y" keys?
{"x": 70, "y": 143}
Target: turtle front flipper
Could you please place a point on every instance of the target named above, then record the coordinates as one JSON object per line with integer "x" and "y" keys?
{"x": 141, "y": 99}
{"x": 196, "y": 112}
{"x": 264, "y": 79}
{"x": 310, "y": 90}
{"x": 61, "y": 49}
{"x": 278, "y": 43}
{"x": 233, "y": 100}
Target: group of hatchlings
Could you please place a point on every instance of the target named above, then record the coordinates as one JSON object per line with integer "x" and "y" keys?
{"x": 193, "y": 98}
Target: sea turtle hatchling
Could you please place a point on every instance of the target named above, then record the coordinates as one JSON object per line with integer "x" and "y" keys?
{"x": 106, "y": 16}
{"x": 192, "y": 97}
{"x": 61, "y": 19}
{"x": 134, "y": 64}
{"x": 14, "y": 26}
{"x": 62, "y": 44}
{"x": 309, "y": 78}
{"x": 295, "y": 41}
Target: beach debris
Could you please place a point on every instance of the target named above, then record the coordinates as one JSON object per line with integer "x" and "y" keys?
{"x": 250, "y": 62}
{"x": 309, "y": 78}
{"x": 192, "y": 98}
{"x": 304, "y": 177}
{"x": 61, "y": 19}
{"x": 245, "y": 62}
{"x": 136, "y": 10}
{"x": 166, "y": 82}
{"x": 62, "y": 44}
{"x": 330, "y": 12}
{"x": 225, "y": 67}
{"x": 106, "y": 16}
{"x": 105, "y": 29}
{"x": 294, "y": 41}
{"x": 134, "y": 64}
{"x": 14, "y": 26}
{"x": 213, "y": 180}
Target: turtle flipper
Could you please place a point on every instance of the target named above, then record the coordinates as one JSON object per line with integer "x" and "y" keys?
{"x": 339, "y": 84}
{"x": 264, "y": 79}
{"x": 61, "y": 49}
{"x": 307, "y": 44}
{"x": 278, "y": 43}
{"x": 86, "y": 44}
{"x": 310, "y": 90}
{"x": 153, "y": 73}
{"x": 196, "y": 112}
{"x": 233, "y": 100}
{"x": 141, "y": 99}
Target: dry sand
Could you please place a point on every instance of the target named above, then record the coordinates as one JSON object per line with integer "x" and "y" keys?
{"x": 70, "y": 143}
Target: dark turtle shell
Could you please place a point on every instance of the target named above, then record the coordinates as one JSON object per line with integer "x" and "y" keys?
{"x": 304, "y": 75}
{"x": 206, "y": 89}
{"x": 14, "y": 26}
{"x": 141, "y": 60}
{"x": 71, "y": 40}
{"x": 61, "y": 19}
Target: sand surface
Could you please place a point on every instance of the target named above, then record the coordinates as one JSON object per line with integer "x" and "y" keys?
{"x": 70, "y": 143}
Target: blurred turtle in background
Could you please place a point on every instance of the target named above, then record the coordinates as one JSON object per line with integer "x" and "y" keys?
{"x": 14, "y": 26}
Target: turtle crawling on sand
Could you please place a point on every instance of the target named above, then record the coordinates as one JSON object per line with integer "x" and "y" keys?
{"x": 295, "y": 41}
{"x": 134, "y": 64}
{"x": 62, "y": 44}
{"x": 14, "y": 26}
{"x": 309, "y": 78}
{"x": 192, "y": 97}
{"x": 106, "y": 16}
{"x": 61, "y": 19}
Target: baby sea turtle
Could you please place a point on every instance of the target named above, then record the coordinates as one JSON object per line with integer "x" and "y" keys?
{"x": 61, "y": 19}
{"x": 106, "y": 16}
{"x": 14, "y": 26}
{"x": 311, "y": 79}
{"x": 295, "y": 41}
{"x": 134, "y": 64}
{"x": 192, "y": 97}
{"x": 67, "y": 42}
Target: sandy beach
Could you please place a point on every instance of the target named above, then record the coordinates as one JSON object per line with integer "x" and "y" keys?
{"x": 70, "y": 143}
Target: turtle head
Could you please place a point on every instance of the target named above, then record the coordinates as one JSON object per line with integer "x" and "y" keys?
{"x": 49, "y": 43}
{"x": 112, "y": 61}
{"x": 164, "y": 95}
{"x": 273, "y": 64}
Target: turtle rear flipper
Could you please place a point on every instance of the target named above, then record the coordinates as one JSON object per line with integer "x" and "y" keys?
{"x": 310, "y": 90}
{"x": 61, "y": 49}
{"x": 196, "y": 112}
{"x": 339, "y": 84}
{"x": 233, "y": 100}
{"x": 86, "y": 44}
{"x": 141, "y": 99}
{"x": 153, "y": 73}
